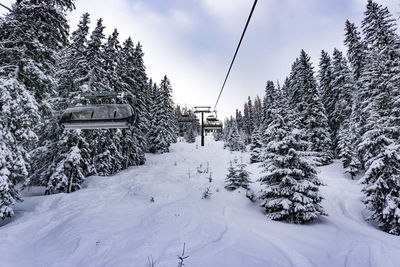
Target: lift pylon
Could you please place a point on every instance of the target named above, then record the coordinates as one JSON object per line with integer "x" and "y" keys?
{"x": 202, "y": 110}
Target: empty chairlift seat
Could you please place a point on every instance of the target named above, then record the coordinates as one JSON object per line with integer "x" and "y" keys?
{"x": 212, "y": 124}
{"x": 186, "y": 119}
{"x": 211, "y": 118}
{"x": 98, "y": 117}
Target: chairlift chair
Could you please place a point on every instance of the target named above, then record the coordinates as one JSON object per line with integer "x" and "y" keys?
{"x": 99, "y": 116}
{"x": 186, "y": 119}
{"x": 212, "y": 124}
{"x": 107, "y": 116}
{"x": 211, "y": 118}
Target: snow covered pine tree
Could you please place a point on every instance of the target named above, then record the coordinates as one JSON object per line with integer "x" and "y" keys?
{"x": 235, "y": 141}
{"x": 290, "y": 185}
{"x": 310, "y": 112}
{"x": 189, "y": 135}
{"x": 163, "y": 131}
{"x": 255, "y": 146}
{"x": 237, "y": 176}
{"x": 28, "y": 66}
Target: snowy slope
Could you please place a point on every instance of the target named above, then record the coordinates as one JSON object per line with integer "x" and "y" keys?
{"x": 112, "y": 222}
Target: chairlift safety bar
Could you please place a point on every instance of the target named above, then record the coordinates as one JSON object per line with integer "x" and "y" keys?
{"x": 99, "y": 95}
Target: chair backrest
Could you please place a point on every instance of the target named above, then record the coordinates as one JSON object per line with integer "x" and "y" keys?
{"x": 98, "y": 116}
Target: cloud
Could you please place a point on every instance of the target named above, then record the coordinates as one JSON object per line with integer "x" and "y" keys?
{"x": 163, "y": 36}
{"x": 193, "y": 41}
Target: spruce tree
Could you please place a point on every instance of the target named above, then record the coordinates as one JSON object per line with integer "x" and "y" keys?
{"x": 248, "y": 118}
{"x": 115, "y": 138}
{"x": 354, "y": 167}
{"x": 343, "y": 90}
{"x": 168, "y": 106}
{"x": 189, "y": 136}
{"x": 8, "y": 163}
{"x": 228, "y": 124}
{"x": 347, "y": 147}
{"x": 379, "y": 27}
{"x": 135, "y": 80}
{"x": 255, "y": 146}
{"x": 217, "y": 136}
{"x": 309, "y": 109}
{"x": 96, "y": 78}
{"x": 66, "y": 163}
{"x": 142, "y": 98}
{"x": 269, "y": 103}
{"x": 32, "y": 36}
{"x": 382, "y": 188}
{"x": 135, "y": 142}
{"x": 104, "y": 61}
{"x": 269, "y": 106}
{"x": 19, "y": 117}
{"x": 380, "y": 78}
{"x": 257, "y": 111}
{"x": 237, "y": 177}
{"x": 325, "y": 81}
{"x": 290, "y": 187}
{"x": 230, "y": 177}
{"x": 57, "y": 148}
{"x": 235, "y": 141}
{"x": 239, "y": 121}
{"x": 379, "y": 118}
{"x": 112, "y": 61}
{"x": 160, "y": 131}
{"x": 356, "y": 49}
{"x": 73, "y": 65}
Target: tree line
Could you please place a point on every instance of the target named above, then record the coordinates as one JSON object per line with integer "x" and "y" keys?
{"x": 349, "y": 109}
{"x": 41, "y": 66}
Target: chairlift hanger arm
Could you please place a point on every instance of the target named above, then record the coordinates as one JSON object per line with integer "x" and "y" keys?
{"x": 202, "y": 109}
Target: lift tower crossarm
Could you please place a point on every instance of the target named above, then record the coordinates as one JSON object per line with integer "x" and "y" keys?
{"x": 202, "y": 110}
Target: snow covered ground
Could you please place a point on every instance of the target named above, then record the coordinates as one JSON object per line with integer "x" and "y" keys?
{"x": 113, "y": 222}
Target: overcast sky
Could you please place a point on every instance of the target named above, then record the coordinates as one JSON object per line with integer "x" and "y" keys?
{"x": 193, "y": 41}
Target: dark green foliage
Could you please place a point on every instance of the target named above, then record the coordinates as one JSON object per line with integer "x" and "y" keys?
{"x": 237, "y": 177}
{"x": 290, "y": 185}
{"x": 235, "y": 141}
{"x": 31, "y": 37}
{"x": 343, "y": 90}
{"x": 58, "y": 163}
{"x": 248, "y": 118}
{"x": 8, "y": 167}
{"x": 309, "y": 110}
{"x": 382, "y": 188}
{"x": 257, "y": 112}
{"x": 378, "y": 117}
{"x": 356, "y": 49}
{"x": 255, "y": 147}
{"x": 163, "y": 130}
{"x": 325, "y": 81}
{"x": 190, "y": 137}
{"x": 269, "y": 103}
{"x": 189, "y": 121}
{"x": 63, "y": 158}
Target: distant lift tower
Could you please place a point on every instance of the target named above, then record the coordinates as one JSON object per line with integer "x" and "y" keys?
{"x": 202, "y": 110}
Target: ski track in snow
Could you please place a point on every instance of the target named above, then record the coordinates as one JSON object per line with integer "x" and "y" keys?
{"x": 112, "y": 222}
